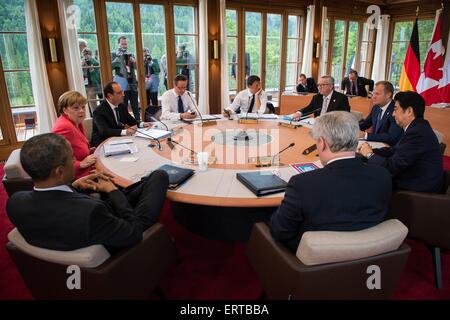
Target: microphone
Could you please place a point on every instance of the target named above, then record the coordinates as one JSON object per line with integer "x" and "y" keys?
{"x": 277, "y": 154}
{"x": 165, "y": 125}
{"x": 149, "y": 136}
{"x": 173, "y": 141}
{"x": 267, "y": 161}
{"x": 203, "y": 123}
{"x": 195, "y": 106}
{"x": 309, "y": 149}
{"x": 310, "y": 112}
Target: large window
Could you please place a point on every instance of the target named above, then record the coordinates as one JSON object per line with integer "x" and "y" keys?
{"x": 153, "y": 30}
{"x": 400, "y": 43}
{"x": 273, "y": 55}
{"x": 232, "y": 51}
{"x": 346, "y": 45}
{"x": 186, "y": 44}
{"x": 367, "y": 50}
{"x": 253, "y": 32}
{"x": 15, "y": 69}
{"x": 294, "y": 50}
{"x": 88, "y": 45}
{"x": 269, "y": 46}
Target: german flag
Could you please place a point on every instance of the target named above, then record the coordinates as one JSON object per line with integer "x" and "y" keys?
{"x": 411, "y": 66}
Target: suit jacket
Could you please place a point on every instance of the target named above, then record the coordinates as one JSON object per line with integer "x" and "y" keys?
{"x": 311, "y": 86}
{"x": 361, "y": 83}
{"x": 62, "y": 220}
{"x": 105, "y": 125}
{"x": 415, "y": 162}
{"x": 388, "y": 130}
{"x": 345, "y": 195}
{"x": 77, "y": 139}
{"x": 338, "y": 101}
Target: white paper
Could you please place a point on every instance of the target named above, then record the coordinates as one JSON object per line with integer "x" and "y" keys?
{"x": 119, "y": 141}
{"x": 153, "y": 133}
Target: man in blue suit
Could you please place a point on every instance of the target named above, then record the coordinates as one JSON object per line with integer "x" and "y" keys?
{"x": 415, "y": 162}
{"x": 346, "y": 195}
{"x": 380, "y": 119}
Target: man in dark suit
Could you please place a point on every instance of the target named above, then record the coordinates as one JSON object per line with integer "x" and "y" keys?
{"x": 415, "y": 162}
{"x": 384, "y": 128}
{"x": 345, "y": 195}
{"x": 356, "y": 86}
{"x": 327, "y": 100}
{"x": 306, "y": 84}
{"x": 56, "y": 216}
{"x": 111, "y": 118}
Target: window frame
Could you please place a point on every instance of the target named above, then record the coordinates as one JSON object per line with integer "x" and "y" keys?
{"x": 391, "y": 39}
{"x": 241, "y": 9}
{"x": 347, "y": 20}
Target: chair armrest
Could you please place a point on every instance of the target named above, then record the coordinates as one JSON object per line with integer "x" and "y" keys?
{"x": 154, "y": 240}
{"x": 427, "y": 216}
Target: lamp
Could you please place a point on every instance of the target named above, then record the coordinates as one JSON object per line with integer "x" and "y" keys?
{"x": 215, "y": 49}
{"x": 53, "y": 52}
{"x": 316, "y": 53}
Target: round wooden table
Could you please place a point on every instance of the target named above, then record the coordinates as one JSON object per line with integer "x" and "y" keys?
{"x": 217, "y": 189}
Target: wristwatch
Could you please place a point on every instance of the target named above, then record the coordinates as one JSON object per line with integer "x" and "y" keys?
{"x": 369, "y": 155}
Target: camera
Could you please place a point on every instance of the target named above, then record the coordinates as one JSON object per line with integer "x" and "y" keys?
{"x": 148, "y": 58}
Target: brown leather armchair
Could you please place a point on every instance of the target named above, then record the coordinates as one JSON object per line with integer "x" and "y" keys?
{"x": 284, "y": 276}
{"x": 427, "y": 216}
{"x": 15, "y": 178}
{"x": 132, "y": 273}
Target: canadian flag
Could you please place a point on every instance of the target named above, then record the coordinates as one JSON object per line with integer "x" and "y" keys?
{"x": 444, "y": 85}
{"x": 428, "y": 85}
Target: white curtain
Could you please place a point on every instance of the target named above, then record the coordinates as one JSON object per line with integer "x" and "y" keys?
{"x": 69, "y": 24}
{"x": 309, "y": 42}
{"x": 225, "y": 101}
{"x": 203, "y": 88}
{"x": 323, "y": 45}
{"x": 381, "y": 45}
{"x": 42, "y": 94}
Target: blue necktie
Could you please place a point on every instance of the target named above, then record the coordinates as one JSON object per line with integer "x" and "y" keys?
{"x": 180, "y": 105}
{"x": 378, "y": 124}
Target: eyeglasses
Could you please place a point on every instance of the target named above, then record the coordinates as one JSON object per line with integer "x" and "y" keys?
{"x": 118, "y": 92}
{"x": 323, "y": 85}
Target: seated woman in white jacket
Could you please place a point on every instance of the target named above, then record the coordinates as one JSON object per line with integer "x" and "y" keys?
{"x": 251, "y": 100}
{"x": 178, "y": 103}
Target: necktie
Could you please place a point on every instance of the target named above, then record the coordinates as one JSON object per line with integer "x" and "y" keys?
{"x": 252, "y": 103}
{"x": 324, "y": 106}
{"x": 180, "y": 105}
{"x": 354, "y": 88}
{"x": 378, "y": 123}
{"x": 116, "y": 110}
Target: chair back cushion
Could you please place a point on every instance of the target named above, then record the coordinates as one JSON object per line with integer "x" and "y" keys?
{"x": 13, "y": 168}
{"x": 89, "y": 257}
{"x": 87, "y": 124}
{"x": 320, "y": 247}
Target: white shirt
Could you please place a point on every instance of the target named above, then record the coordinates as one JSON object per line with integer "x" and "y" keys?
{"x": 113, "y": 107}
{"x": 383, "y": 110}
{"x": 243, "y": 100}
{"x": 325, "y": 107}
{"x": 62, "y": 187}
{"x": 169, "y": 102}
{"x": 340, "y": 158}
